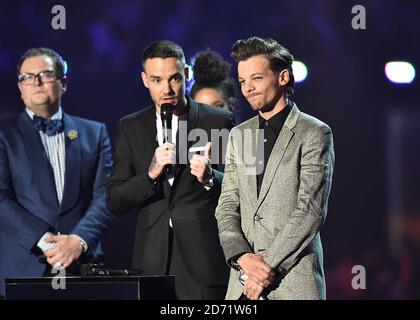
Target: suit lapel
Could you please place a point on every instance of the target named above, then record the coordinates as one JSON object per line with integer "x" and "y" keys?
{"x": 250, "y": 174}
{"x": 40, "y": 165}
{"x": 149, "y": 135}
{"x": 277, "y": 153}
{"x": 73, "y": 163}
{"x": 193, "y": 114}
{"x": 151, "y": 141}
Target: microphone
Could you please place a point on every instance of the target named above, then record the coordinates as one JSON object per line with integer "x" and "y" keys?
{"x": 166, "y": 116}
{"x": 93, "y": 269}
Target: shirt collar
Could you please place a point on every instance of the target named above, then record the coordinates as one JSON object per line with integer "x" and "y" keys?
{"x": 56, "y": 116}
{"x": 174, "y": 117}
{"x": 276, "y": 122}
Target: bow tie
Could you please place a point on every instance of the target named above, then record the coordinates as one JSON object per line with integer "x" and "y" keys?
{"x": 48, "y": 126}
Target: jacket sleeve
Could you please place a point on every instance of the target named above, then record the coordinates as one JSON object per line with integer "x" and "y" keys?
{"x": 228, "y": 217}
{"x": 97, "y": 218}
{"x": 127, "y": 189}
{"x": 20, "y": 224}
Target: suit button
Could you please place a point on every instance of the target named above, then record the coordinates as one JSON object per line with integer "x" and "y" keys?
{"x": 257, "y": 218}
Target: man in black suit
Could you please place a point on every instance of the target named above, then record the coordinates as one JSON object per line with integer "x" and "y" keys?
{"x": 177, "y": 192}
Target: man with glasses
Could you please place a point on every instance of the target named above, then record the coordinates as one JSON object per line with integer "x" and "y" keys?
{"x": 53, "y": 174}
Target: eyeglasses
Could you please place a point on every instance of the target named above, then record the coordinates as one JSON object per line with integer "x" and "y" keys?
{"x": 28, "y": 79}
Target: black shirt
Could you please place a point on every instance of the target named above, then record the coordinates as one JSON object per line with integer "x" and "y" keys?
{"x": 272, "y": 128}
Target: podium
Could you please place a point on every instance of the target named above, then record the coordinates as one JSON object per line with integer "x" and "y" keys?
{"x": 91, "y": 288}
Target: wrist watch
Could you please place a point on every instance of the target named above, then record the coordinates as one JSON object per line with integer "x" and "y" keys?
{"x": 235, "y": 263}
{"x": 82, "y": 242}
{"x": 84, "y": 245}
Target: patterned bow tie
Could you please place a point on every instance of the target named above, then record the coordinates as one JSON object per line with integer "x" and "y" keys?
{"x": 49, "y": 127}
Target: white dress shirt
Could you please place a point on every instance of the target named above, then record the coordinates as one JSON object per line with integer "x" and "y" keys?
{"x": 55, "y": 149}
{"x": 174, "y": 131}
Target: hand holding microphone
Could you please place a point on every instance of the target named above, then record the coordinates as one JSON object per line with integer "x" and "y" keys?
{"x": 166, "y": 110}
{"x": 165, "y": 155}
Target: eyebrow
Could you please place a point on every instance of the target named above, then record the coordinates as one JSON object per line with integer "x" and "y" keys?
{"x": 252, "y": 75}
{"x": 175, "y": 75}
{"x": 37, "y": 72}
{"x": 170, "y": 77}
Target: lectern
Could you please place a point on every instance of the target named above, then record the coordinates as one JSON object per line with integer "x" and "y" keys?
{"x": 92, "y": 288}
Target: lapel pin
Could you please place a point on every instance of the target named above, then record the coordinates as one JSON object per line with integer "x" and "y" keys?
{"x": 72, "y": 134}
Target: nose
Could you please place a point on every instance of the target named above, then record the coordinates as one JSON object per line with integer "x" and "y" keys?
{"x": 249, "y": 87}
{"x": 38, "y": 82}
{"x": 167, "y": 88}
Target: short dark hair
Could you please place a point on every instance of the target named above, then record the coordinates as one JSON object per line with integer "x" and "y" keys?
{"x": 163, "y": 49}
{"x": 212, "y": 71}
{"x": 280, "y": 58}
{"x": 60, "y": 66}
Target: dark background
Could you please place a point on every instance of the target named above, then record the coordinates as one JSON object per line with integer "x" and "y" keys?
{"x": 374, "y": 211}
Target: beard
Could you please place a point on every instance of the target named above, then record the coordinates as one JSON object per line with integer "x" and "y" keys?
{"x": 265, "y": 102}
{"x": 261, "y": 105}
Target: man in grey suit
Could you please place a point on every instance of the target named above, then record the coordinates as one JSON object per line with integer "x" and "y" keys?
{"x": 273, "y": 206}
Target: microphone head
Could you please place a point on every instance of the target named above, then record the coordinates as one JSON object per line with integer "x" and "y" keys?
{"x": 166, "y": 111}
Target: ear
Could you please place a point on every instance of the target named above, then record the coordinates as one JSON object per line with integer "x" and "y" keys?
{"x": 64, "y": 84}
{"x": 144, "y": 78}
{"x": 284, "y": 77}
{"x": 20, "y": 89}
{"x": 186, "y": 73}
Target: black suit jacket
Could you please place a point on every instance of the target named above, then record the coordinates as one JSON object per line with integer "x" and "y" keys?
{"x": 189, "y": 205}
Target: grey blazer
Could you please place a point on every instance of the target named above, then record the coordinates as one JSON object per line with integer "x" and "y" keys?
{"x": 284, "y": 221}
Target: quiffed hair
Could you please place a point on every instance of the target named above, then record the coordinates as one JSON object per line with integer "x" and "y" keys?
{"x": 279, "y": 57}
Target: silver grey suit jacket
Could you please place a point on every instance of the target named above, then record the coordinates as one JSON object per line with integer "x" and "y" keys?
{"x": 283, "y": 223}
